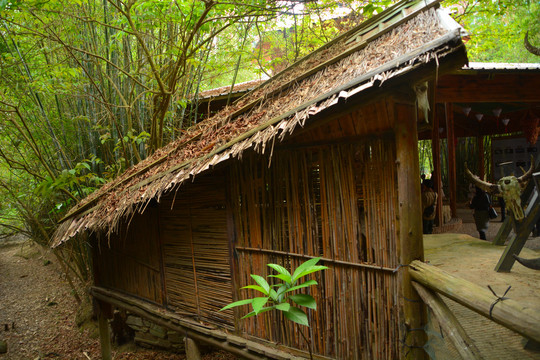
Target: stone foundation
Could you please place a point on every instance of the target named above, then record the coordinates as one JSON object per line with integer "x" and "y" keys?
{"x": 150, "y": 335}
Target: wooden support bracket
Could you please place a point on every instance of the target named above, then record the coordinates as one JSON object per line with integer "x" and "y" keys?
{"x": 449, "y": 323}
{"x": 523, "y": 230}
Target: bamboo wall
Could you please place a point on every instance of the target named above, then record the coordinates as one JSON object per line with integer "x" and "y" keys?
{"x": 337, "y": 202}
{"x": 130, "y": 260}
{"x": 193, "y": 226}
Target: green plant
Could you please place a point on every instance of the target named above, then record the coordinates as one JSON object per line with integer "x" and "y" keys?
{"x": 281, "y": 298}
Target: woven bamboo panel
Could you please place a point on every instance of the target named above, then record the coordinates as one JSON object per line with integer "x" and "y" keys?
{"x": 129, "y": 261}
{"x": 336, "y": 202}
{"x": 196, "y": 250}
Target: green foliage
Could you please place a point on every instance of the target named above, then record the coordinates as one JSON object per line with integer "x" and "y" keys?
{"x": 301, "y": 29}
{"x": 80, "y": 181}
{"x": 497, "y": 28}
{"x": 279, "y": 299}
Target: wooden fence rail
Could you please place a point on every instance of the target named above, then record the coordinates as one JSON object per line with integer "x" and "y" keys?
{"x": 507, "y": 312}
{"x": 244, "y": 348}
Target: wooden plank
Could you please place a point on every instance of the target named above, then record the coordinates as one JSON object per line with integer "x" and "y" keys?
{"x": 521, "y": 318}
{"x": 504, "y": 230}
{"x": 449, "y": 323}
{"x": 410, "y": 244}
{"x": 521, "y": 87}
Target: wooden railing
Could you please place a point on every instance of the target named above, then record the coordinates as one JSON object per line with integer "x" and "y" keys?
{"x": 431, "y": 281}
{"x": 209, "y": 335}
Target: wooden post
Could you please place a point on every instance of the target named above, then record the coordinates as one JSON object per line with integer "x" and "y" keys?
{"x": 410, "y": 240}
{"x": 523, "y": 230}
{"x": 522, "y": 319}
{"x": 509, "y": 223}
{"x": 451, "y": 142}
{"x": 192, "y": 349}
{"x": 436, "y": 153}
{"x": 449, "y": 324}
{"x": 481, "y": 158}
{"x": 103, "y": 311}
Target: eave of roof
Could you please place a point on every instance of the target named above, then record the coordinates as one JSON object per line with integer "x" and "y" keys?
{"x": 478, "y": 66}
{"x": 257, "y": 129}
{"x": 226, "y": 90}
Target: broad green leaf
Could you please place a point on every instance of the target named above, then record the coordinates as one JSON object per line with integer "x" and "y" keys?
{"x": 285, "y": 278}
{"x": 255, "y": 287}
{"x": 304, "y": 300}
{"x": 260, "y": 312}
{"x": 303, "y": 267}
{"x": 262, "y": 283}
{"x": 273, "y": 295}
{"x": 281, "y": 270}
{"x": 281, "y": 290}
{"x": 258, "y": 304}
{"x": 237, "y": 303}
{"x": 297, "y": 315}
{"x": 303, "y": 285}
{"x": 311, "y": 270}
{"x": 283, "y": 306}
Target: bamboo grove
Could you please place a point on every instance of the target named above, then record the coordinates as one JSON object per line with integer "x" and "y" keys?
{"x": 90, "y": 88}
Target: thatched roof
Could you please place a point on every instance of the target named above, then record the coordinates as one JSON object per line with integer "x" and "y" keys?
{"x": 225, "y": 90}
{"x": 400, "y": 39}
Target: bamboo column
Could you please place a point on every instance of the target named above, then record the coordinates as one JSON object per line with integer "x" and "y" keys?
{"x": 410, "y": 241}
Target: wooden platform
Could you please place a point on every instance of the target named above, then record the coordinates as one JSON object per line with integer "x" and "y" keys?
{"x": 474, "y": 260}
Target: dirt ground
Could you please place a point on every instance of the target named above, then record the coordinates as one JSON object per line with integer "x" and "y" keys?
{"x": 38, "y": 312}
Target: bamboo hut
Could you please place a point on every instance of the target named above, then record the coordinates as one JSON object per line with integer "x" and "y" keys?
{"x": 319, "y": 161}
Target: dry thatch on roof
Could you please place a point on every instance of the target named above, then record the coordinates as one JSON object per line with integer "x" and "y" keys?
{"x": 353, "y": 62}
{"x": 225, "y": 90}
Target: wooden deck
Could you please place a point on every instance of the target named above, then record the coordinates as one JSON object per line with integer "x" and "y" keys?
{"x": 472, "y": 259}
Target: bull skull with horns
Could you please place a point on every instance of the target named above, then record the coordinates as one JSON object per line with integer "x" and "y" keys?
{"x": 509, "y": 187}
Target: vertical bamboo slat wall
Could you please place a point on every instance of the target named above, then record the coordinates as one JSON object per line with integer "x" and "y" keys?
{"x": 130, "y": 261}
{"x": 336, "y": 202}
{"x": 196, "y": 250}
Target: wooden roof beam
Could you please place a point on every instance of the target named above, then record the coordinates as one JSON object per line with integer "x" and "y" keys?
{"x": 521, "y": 87}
